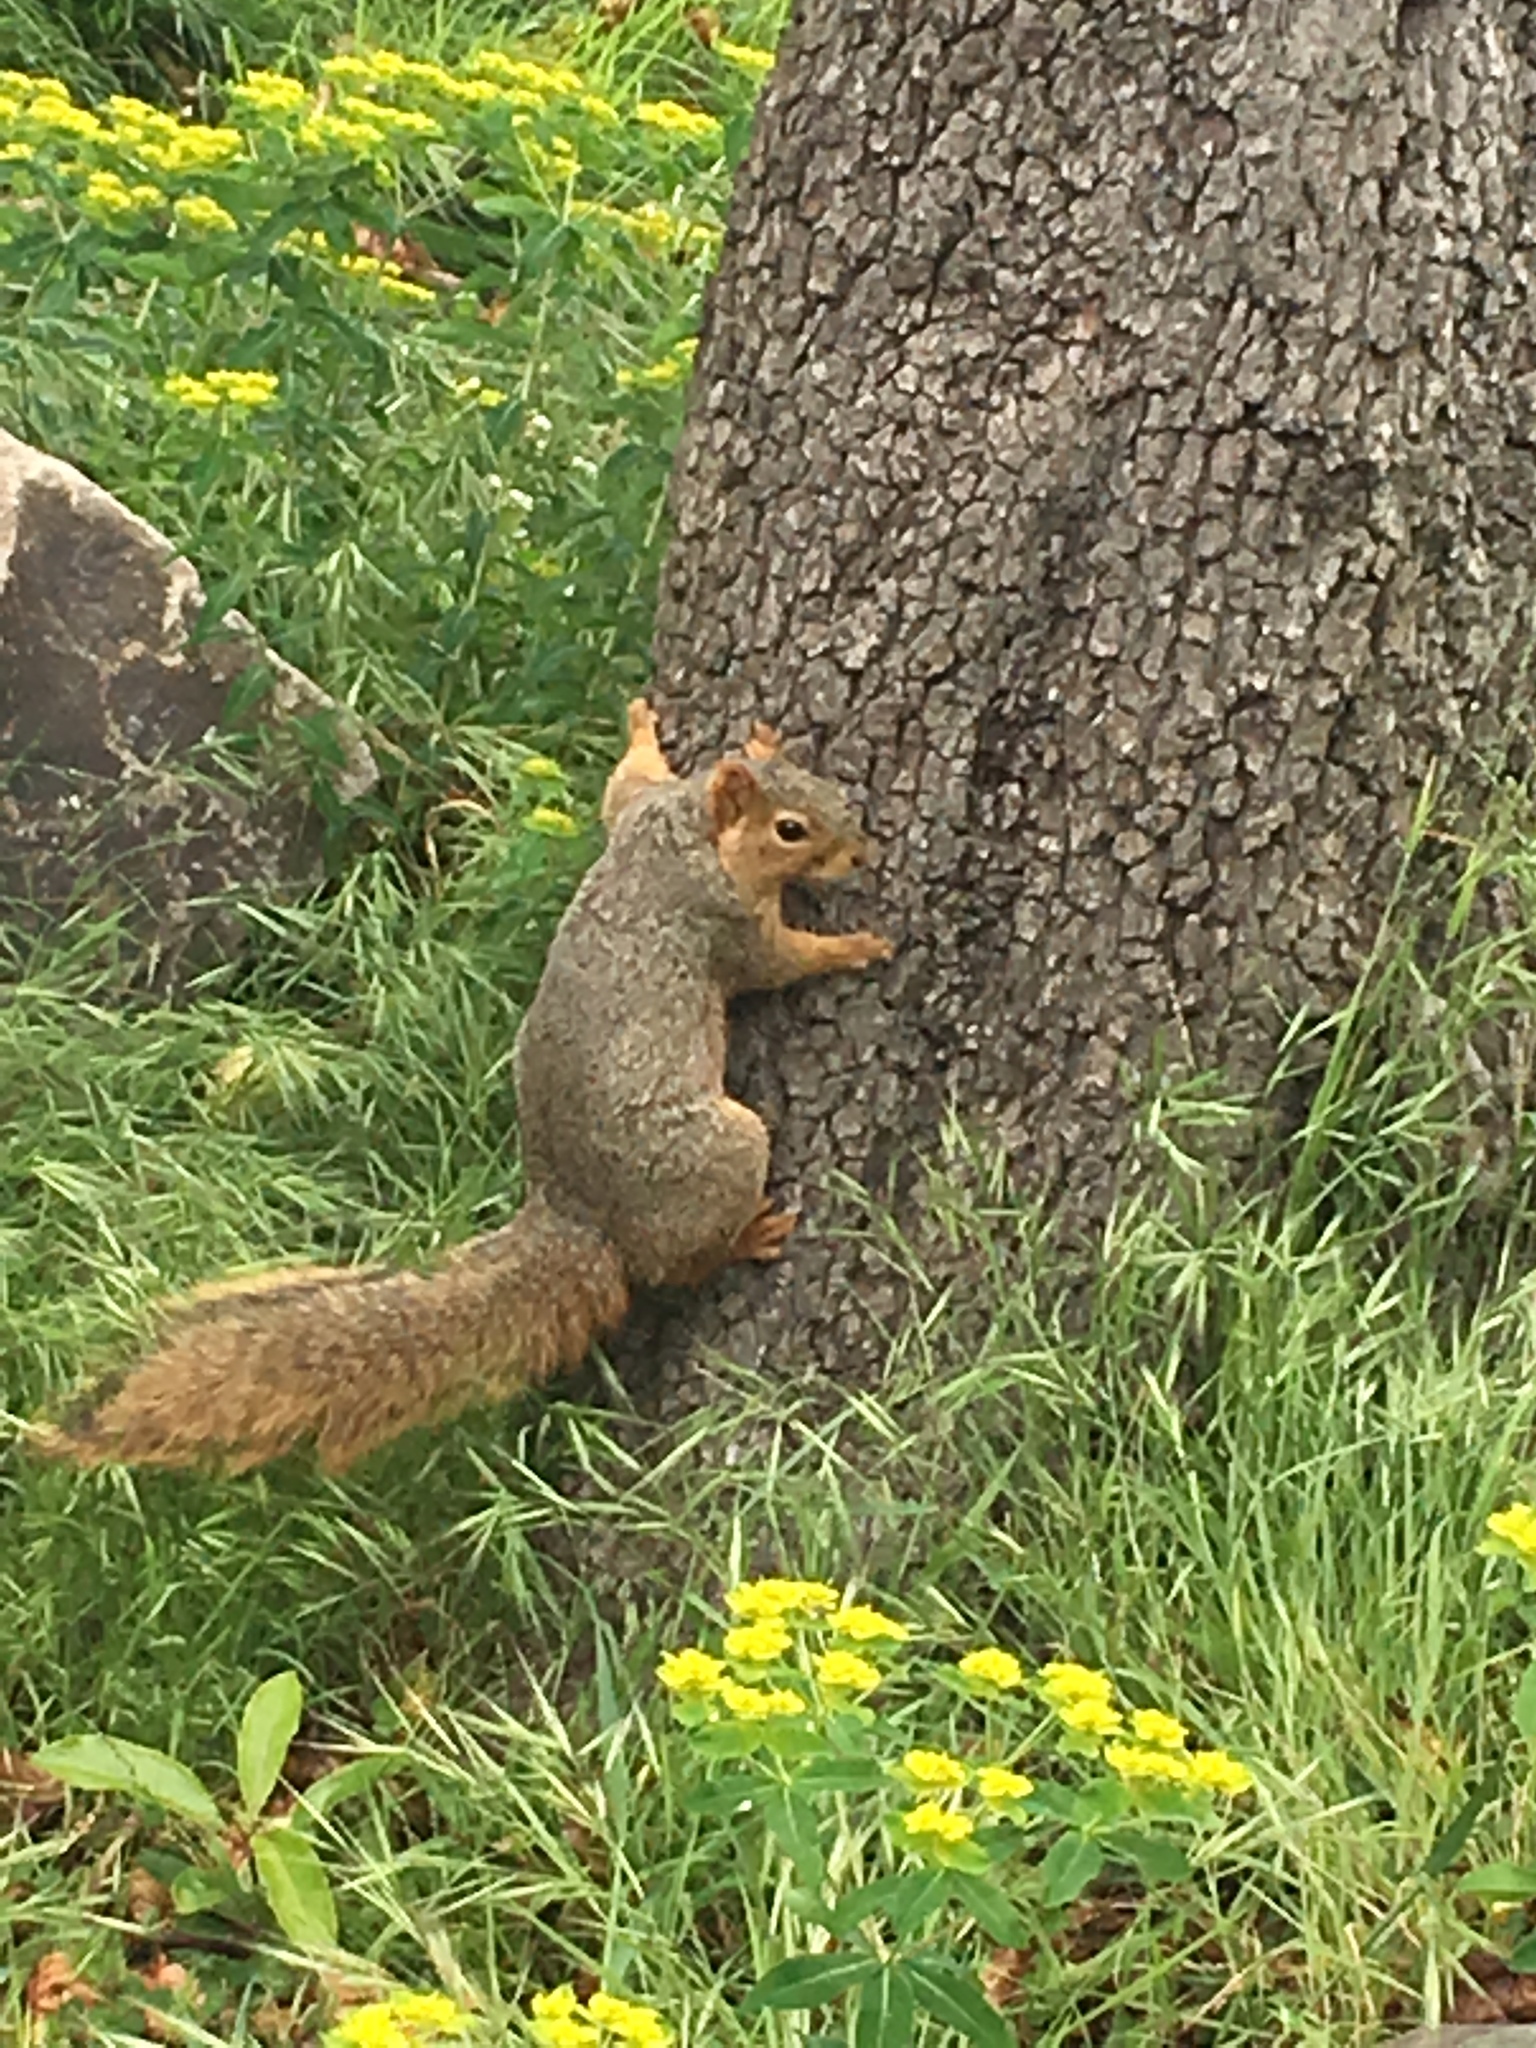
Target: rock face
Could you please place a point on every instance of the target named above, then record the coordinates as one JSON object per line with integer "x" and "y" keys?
{"x": 111, "y": 799}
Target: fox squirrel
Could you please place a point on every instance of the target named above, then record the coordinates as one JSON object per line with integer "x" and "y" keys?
{"x": 639, "y": 1167}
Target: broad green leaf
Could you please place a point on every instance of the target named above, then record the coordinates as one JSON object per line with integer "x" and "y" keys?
{"x": 105, "y": 1763}
{"x": 1159, "y": 1860}
{"x": 268, "y": 1725}
{"x": 792, "y": 1823}
{"x": 989, "y": 1907}
{"x": 1054, "y": 1802}
{"x": 349, "y": 1779}
{"x": 801, "y": 1983}
{"x": 207, "y": 1891}
{"x": 955, "y": 1999}
{"x": 905, "y": 1898}
{"x": 1501, "y": 1881}
{"x": 1525, "y": 1702}
{"x": 1522, "y": 1959}
{"x": 297, "y": 1888}
{"x": 728, "y": 1793}
{"x": 840, "y": 1774}
{"x": 1071, "y": 1864}
{"x": 1104, "y": 1801}
{"x": 887, "y": 2011}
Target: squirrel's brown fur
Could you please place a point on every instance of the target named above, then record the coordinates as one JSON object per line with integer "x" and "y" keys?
{"x": 639, "y": 1167}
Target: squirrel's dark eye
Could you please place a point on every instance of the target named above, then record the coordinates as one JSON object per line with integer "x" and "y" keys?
{"x": 791, "y": 830}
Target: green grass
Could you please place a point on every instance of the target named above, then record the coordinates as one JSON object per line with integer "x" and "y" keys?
{"x": 1240, "y": 1449}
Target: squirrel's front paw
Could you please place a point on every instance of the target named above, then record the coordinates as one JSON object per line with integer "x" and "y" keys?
{"x": 866, "y": 949}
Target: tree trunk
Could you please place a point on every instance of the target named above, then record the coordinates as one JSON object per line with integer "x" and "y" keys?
{"x": 1113, "y": 450}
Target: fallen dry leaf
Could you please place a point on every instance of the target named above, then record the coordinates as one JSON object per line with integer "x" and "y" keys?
{"x": 54, "y": 1982}
{"x": 149, "y": 1901}
{"x": 705, "y": 23}
{"x": 27, "y": 1789}
{"x": 1003, "y": 1974}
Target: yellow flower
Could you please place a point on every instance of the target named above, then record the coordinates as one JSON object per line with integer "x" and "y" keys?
{"x": 17, "y": 153}
{"x": 758, "y": 62}
{"x": 269, "y": 92}
{"x": 558, "y": 824}
{"x": 199, "y": 211}
{"x": 672, "y": 119}
{"x": 403, "y": 2021}
{"x": 106, "y": 191}
{"x": 62, "y": 118}
{"x": 757, "y": 1642}
{"x": 1063, "y": 1682}
{"x": 368, "y": 2026}
{"x": 1161, "y": 1730}
{"x": 1128, "y": 1760}
{"x": 403, "y": 120}
{"x": 1516, "y": 1526}
{"x": 993, "y": 1667}
{"x": 756, "y": 1703}
{"x": 690, "y": 1672}
{"x": 539, "y": 768}
{"x": 842, "y": 1671}
{"x": 636, "y": 2025}
{"x": 1214, "y": 1771}
{"x": 221, "y": 387}
{"x": 558, "y": 2004}
{"x": 998, "y": 1786}
{"x": 407, "y": 292}
{"x": 335, "y": 132}
{"x": 772, "y": 1599}
{"x": 429, "y": 2009}
{"x": 935, "y": 1767}
{"x": 604, "y": 112}
{"x": 868, "y": 1625}
{"x": 932, "y": 1819}
{"x": 1090, "y": 1717}
{"x": 548, "y": 80}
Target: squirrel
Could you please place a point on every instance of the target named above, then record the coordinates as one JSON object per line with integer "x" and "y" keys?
{"x": 639, "y": 1168}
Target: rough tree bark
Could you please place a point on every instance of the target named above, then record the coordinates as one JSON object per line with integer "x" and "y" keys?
{"x": 1113, "y": 448}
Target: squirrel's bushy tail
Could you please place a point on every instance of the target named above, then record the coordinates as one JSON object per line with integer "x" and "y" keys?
{"x": 354, "y": 1356}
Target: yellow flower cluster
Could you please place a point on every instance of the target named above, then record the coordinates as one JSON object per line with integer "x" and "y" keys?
{"x": 221, "y": 387}
{"x": 1081, "y": 1698}
{"x": 672, "y": 119}
{"x": 1207, "y": 1770}
{"x": 105, "y": 192}
{"x": 558, "y": 2019}
{"x": 553, "y": 822}
{"x": 655, "y": 228}
{"x": 671, "y": 369}
{"x": 270, "y": 92}
{"x": 938, "y": 1823}
{"x": 773, "y": 1599}
{"x": 858, "y": 1624}
{"x": 489, "y": 395}
{"x": 936, "y": 1771}
{"x": 935, "y": 1767}
{"x": 167, "y": 144}
{"x": 994, "y": 1667}
{"x": 770, "y": 1616}
{"x": 389, "y": 278}
{"x": 205, "y": 214}
{"x": 404, "y": 2021}
{"x": 1514, "y": 1529}
{"x": 745, "y": 56}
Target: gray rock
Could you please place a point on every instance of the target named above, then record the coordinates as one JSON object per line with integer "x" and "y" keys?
{"x": 115, "y": 795}
{"x": 1499, "y": 2034}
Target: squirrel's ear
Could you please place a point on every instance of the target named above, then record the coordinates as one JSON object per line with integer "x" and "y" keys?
{"x": 734, "y": 791}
